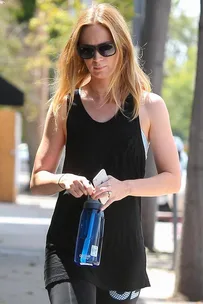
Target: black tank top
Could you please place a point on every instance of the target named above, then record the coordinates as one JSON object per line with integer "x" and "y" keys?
{"x": 116, "y": 146}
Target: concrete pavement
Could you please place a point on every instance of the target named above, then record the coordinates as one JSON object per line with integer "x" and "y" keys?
{"x": 23, "y": 228}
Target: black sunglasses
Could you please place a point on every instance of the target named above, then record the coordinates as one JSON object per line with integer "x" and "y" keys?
{"x": 87, "y": 51}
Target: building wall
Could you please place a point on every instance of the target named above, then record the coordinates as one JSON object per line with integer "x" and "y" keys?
{"x": 7, "y": 155}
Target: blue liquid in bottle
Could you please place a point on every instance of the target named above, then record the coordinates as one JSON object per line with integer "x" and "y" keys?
{"x": 90, "y": 234}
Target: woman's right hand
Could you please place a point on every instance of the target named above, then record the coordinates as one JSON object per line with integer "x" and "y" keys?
{"x": 76, "y": 185}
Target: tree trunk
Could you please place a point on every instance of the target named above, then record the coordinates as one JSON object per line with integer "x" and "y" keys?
{"x": 153, "y": 43}
{"x": 190, "y": 280}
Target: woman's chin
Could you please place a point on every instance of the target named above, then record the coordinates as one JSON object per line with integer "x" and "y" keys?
{"x": 100, "y": 76}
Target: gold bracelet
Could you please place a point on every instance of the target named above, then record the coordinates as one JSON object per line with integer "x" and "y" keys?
{"x": 59, "y": 182}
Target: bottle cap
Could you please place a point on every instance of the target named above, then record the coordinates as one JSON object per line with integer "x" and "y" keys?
{"x": 92, "y": 204}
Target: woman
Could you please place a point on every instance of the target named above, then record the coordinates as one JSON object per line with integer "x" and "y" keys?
{"x": 105, "y": 116}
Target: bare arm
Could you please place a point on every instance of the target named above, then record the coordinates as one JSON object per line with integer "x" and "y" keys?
{"x": 43, "y": 179}
{"x": 165, "y": 154}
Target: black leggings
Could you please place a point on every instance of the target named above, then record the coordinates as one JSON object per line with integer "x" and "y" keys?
{"x": 82, "y": 292}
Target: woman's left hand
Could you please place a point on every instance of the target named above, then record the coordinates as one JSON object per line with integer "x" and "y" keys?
{"x": 115, "y": 188}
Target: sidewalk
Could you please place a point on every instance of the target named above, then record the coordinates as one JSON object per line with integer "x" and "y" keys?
{"x": 23, "y": 228}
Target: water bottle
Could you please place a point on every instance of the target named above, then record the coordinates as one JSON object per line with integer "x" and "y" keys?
{"x": 90, "y": 234}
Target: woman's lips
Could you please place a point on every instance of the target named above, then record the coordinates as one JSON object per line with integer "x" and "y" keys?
{"x": 99, "y": 68}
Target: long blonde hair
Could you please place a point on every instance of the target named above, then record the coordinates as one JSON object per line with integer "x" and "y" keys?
{"x": 128, "y": 77}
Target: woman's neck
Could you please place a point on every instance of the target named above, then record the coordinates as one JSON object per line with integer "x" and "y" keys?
{"x": 97, "y": 89}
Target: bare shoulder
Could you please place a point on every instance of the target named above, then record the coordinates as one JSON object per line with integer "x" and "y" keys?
{"x": 153, "y": 114}
{"x": 154, "y": 105}
{"x": 152, "y": 100}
